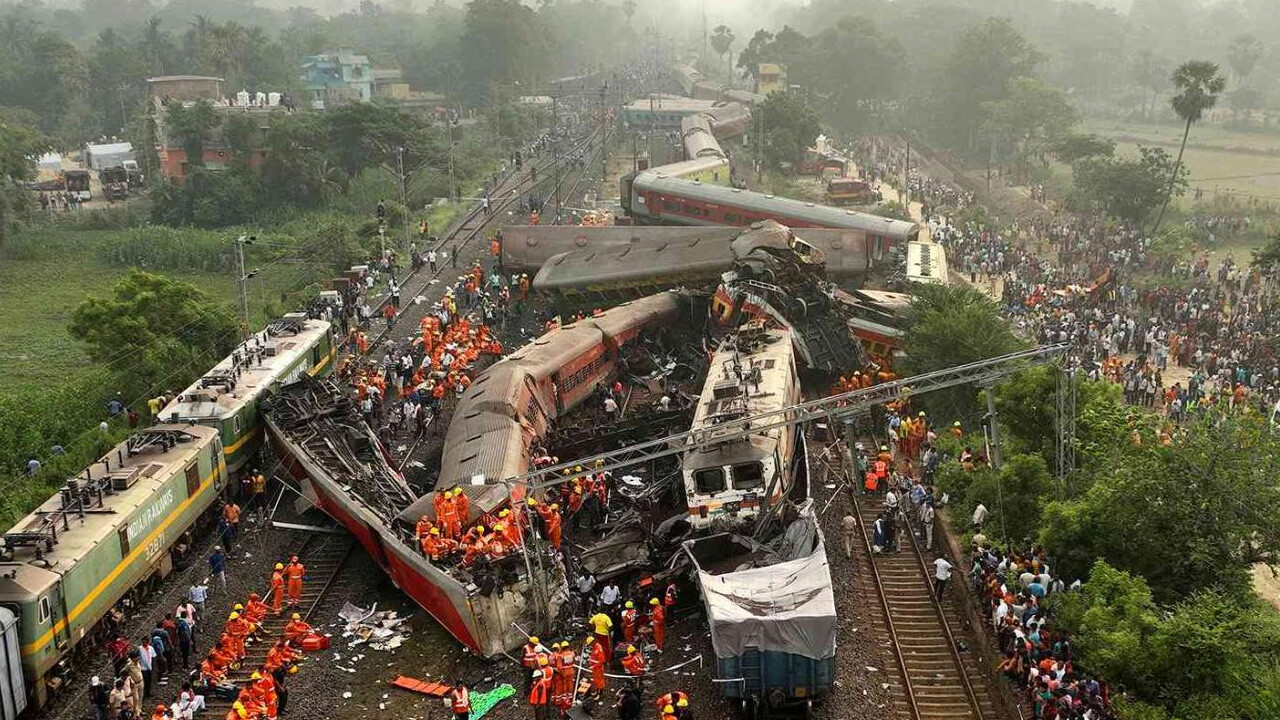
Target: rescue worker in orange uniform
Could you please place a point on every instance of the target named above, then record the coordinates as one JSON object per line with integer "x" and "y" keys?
{"x": 267, "y": 687}
{"x": 957, "y": 431}
{"x": 461, "y": 502}
{"x": 540, "y": 692}
{"x": 634, "y": 663}
{"x": 238, "y": 711}
{"x": 596, "y": 662}
{"x": 629, "y": 618}
{"x": 672, "y": 698}
{"x": 564, "y": 663}
{"x": 530, "y": 654}
{"x": 280, "y": 655}
{"x": 551, "y": 518}
{"x": 235, "y": 632}
{"x": 460, "y": 701}
{"x": 294, "y": 573}
{"x": 277, "y": 589}
{"x": 658, "y": 616}
{"x": 297, "y": 629}
{"x": 436, "y": 547}
{"x": 255, "y": 610}
{"x": 252, "y": 702}
{"x": 423, "y": 528}
{"x": 446, "y": 515}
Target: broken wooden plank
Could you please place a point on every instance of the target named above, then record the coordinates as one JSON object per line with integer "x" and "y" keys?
{"x": 425, "y": 687}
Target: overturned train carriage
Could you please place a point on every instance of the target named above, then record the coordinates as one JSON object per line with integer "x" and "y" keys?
{"x": 344, "y": 471}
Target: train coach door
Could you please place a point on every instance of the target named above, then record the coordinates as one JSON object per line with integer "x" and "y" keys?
{"x": 378, "y": 550}
{"x": 57, "y": 612}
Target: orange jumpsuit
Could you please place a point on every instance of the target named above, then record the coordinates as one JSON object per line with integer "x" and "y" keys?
{"x": 235, "y": 633}
{"x": 294, "y": 572}
{"x": 659, "y": 618}
{"x": 448, "y": 518}
{"x": 629, "y": 625}
{"x": 277, "y": 591}
{"x": 597, "y": 667}
{"x": 267, "y": 687}
{"x": 296, "y": 630}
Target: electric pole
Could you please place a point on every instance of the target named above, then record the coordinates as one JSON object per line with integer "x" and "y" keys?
{"x": 242, "y": 281}
{"x": 555, "y": 152}
{"x": 404, "y": 195}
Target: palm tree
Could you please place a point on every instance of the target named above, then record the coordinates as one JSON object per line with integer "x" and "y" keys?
{"x": 1198, "y": 84}
{"x": 722, "y": 41}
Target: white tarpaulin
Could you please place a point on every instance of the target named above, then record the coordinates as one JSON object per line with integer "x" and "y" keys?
{"x": 787, "y": 607}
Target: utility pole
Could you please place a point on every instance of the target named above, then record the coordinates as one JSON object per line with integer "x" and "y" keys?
{"x": 404, "y": 195}
{"x": 604, "y": 132}
{"x": 555, "y": 152}
{"x": 242, "y": 281}
{"x": 906, "y": 180}
{"x": 448, "y": 124}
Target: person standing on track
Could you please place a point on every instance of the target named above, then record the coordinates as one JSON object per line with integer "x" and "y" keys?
{"x": 941, "y": 574}
{"x": 277, "y": 589}
{"x": 431, "y": 259}
{"x": 849, "y": 533}
{"x": 295, "y": 572}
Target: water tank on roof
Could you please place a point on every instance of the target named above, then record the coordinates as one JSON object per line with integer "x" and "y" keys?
{"x": 273, "y": 99}
{"x": 242, "y": 98}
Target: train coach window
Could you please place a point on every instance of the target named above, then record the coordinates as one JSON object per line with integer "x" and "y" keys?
{"x": 44, "y": 610}
{"x": 124, "y": 541}
{"x": 709, "y": 480}
{"x": 748, "y": 475}
{"x": 732, "y": 217}
{"x": 692, "y": 210}
{"x": 670, "y": 206}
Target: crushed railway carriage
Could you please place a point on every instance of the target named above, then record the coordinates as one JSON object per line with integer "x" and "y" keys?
{"x": 727, "y": 484}
{"x": 517, "y": 398}
{"x": 227, "y": 396}
{"x": 587, "y": 277}
{"x": 343, "y": 470}
{"x": 696, "y": 85}
{"x": 772, "y": 615}
{"x": 109, "y": 528}
{"x": 654, "y": 197}
{"x": 528, "y": 248}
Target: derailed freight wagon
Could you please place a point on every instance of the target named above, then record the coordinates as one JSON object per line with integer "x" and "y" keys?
{"x": 772, "y": 616}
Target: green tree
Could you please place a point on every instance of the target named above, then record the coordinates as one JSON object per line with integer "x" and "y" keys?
{"x": 1194, "y": 515}
{"x": 755, "y": 53}
{"x": 504, "y": 41}
{"x": 722, "y": 42}
{"x": 980, "y": 70}
{"x": 1267, "y": 258}
{"x": 193, "y": 126}
{"x": 1030, "y": 117}
{"x": 297, "y": 169}
{"x": 1151, "y": 73}
{"x": 1127, "y": 188}
{"x": 791, "y": 125}
{"x": 152, "y": 326}
{"x": 852, "y": 101}
{"x": 1243, "y": 54}
{"x": 1198, "y": 84}
{"x": 951, "y": 325}
{"x": 1072, "y": 147}
{"x": 20, "y": 146}
{"x": 241, "y": 133}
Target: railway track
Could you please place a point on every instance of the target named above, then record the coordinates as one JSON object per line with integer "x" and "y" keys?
{"x": 935, "y": 680}
{"x": 508, "y": 192}
{"x": 324, "y": 556}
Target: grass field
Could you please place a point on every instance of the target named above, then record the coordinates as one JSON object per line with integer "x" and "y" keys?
{"x": 1218, "y": 158}
{"x": 39, "y": 294}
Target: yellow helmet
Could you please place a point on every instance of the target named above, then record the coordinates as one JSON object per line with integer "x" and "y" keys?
{"x": 234, "y": 615}
{"x": 505, "y": 512}
{"x": 653, "y": 601}
{"x": 533, "y": 639}
{"x": 590, "y": 639}
{"x": 256, "y": 675}
{"x": 555, "y": 506}
{"x": 296, "y": 616}
{"x": 435, "y": 531}
{"x": 480, "y": 529}
{"x": 600, "y": 462}
{"x": 630, "y": 605}
{"x": 293, "y": 669}
{"x": 956, "y": 424}
{"x": 668, "y": 709}
{"x": 920, "y": 414}
{"x": 682, "y": 702}
{"x": 279, "y": 566}
{"x": 542, "y": 659}
{"x": 631, "y": 648}
{"x": 533, "y": 502}
{"x": 238, "y": 607}
{"x": 577, "y": 468}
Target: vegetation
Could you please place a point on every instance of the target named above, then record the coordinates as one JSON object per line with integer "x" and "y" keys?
{"x": 791, "y": 124}
{"x": 1198, "y": 84}
{"x": 1127, "y": 188}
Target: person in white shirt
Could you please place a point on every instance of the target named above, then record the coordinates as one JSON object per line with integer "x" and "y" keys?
{"x": 941, "y": 574}
{"x": 979, "y": 516}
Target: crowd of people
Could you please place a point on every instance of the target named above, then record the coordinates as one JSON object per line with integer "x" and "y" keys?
{"x": 1132, "y": 316}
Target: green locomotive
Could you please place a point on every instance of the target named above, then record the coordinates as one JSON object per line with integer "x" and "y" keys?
{"x": 227, "y": 396}
{"x": 65, "y": 565}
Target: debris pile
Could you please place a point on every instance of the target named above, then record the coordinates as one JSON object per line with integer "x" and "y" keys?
{"x": 385, "y": 630}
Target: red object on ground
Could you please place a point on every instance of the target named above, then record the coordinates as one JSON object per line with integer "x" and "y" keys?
{"x": 434, "y": 689}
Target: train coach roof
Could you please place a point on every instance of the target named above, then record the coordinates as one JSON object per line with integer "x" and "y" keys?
{"x": 777, "y": 207}
{"x": 285, "y": 342}
{"x": 141, "y": 477}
